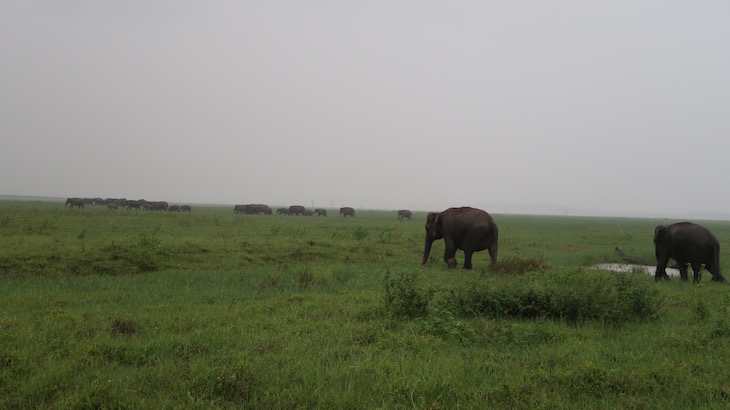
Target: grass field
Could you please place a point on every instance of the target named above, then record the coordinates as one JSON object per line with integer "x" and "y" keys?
{"x": 136, "y": 309}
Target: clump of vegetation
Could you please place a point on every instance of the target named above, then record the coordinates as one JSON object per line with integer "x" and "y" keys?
{"x": 404, "y": 296}
{"x": 517, "y": 265}
{"x": 359, "y": 233}
{"x": 443, "y": 323}
{"x": 304, "y": 276}
{"x": 146, "y": 255}
{"x": 573, "y": 296}
{"x": 125, "y": 327}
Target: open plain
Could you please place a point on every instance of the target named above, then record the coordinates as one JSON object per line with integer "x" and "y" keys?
{"x": 211, "y": 309}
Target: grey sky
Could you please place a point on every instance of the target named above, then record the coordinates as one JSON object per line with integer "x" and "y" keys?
{"x": 612, "y": 107}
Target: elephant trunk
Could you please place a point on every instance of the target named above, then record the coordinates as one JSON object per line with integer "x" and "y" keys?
{"x": 427, "y": 249}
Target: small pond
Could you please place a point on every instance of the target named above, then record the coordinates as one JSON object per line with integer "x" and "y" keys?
{"x": 628, "y": 267}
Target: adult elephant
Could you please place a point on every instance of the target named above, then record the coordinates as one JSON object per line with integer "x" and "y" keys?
{"x": 465, "y": 228}
{"x": 404, "y": 213}
{"x": 296, "y": 210}
{"x": 186, "y": 208}
{"x": 687, "y": 243}
{"x": 136, "y": 204}
{"x": 321, "y": 212}
{"x": 259, "y": 209}
{"x": 346, "y": 211}
{"x": 79, "y": 202}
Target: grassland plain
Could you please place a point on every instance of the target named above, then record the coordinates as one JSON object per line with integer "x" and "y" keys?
{"x": 134, "y": 309}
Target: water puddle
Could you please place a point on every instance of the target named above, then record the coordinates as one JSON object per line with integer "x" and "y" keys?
{"x": 628, "y": 267}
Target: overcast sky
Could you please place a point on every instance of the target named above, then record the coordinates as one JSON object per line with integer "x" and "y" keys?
{"x": 612, "y": 107}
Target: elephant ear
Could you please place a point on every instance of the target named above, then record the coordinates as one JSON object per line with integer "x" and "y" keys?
{"x": 432, "y": 217}
{"x": 659, "y": 234}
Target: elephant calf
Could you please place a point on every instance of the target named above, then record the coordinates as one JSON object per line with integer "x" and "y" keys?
{"x": 687, "y": 243}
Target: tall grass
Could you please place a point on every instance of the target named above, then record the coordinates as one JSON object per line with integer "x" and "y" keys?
{"x": 151, "y": 310}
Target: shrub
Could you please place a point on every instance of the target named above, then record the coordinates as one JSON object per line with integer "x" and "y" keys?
{"x": 359, "y": 233}
{"x": 444, "y": 324}
{"x": 404, "y": 296}
{"x": 574, "y": 296}
{"x": 304, "y": 276}
{"x": 517, "y": 265}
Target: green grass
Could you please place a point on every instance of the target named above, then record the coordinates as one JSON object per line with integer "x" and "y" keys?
{"x": 134, "y": 309}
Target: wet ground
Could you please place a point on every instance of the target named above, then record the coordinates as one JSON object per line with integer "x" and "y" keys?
{"x": 628, "y": 267}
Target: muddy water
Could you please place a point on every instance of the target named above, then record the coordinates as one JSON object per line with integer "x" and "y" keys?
{"x": 627, "y": 267}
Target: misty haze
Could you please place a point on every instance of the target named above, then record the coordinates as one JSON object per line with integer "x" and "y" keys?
{"x": 565, "y": 107}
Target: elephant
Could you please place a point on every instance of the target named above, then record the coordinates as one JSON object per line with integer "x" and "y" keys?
{"x": 74, "y": 202}
{"x": 307, "y": 212}
{"x": 134, "y": 204}
{"x": 346, "y": 211}
{"x": 155, "y": 205}
{"x": 252, "y": 209}
{"x": 465, "y": 228}
{"x": 320, "y": 212}
{"x": 687, "y": 243}
{"x": 174, "y": 208}
{"x": 186, "y": 208}
{"x": 259, "y": 209}
{"x": 112, "y": 205}
{"x": 404, "y": 213}
{"x": 282, "y": 211}
{"x": 296, "y": 210}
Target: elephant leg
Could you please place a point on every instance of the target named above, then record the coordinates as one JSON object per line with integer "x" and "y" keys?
{"x": 493, "y": 254}
{"x": 683, "y": 274}
{"x": 716, "y": 273}
{"x": 696, "y": 268}
{"x": 450, "y": 253}
{"x": 450, "y": 260}
{"x": 467, "y": 259}
{"x": 661, "y": 270}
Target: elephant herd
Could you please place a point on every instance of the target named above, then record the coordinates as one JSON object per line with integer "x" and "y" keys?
{"x": 116, "y": 203}
{"x": 472, "y": 230}
{"x": 345, "y": 211}
{"x": 257, "y": 209}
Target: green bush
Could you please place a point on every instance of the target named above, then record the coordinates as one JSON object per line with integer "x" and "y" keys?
{"x": 572, "y": 296}
{"x": 404, "y": 296}
{"x": 359, "y": 233}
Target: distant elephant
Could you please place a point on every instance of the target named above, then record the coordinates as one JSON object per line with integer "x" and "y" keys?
{"x": 296, "y": 210}
{"x": 112, "y": 205}
{"x": 687, "y": 243}
{"x": 186, "y": 208}
{"x": 136, "y": 204}
{"x": 174, "y": 208}
{"x": 239, "y": 209}
{"x": 259, "y": 209}
{"x": 155, "y": 205}
{"x": 307, "y": 213}
{"x": 282, "y": 211}
{"x": 468, "y": 229}
{"x": 346, "y": 211}
{"x": 404, "y": 213}
{"x": 74, "y": 202}
{"x": 320, "y": 212}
